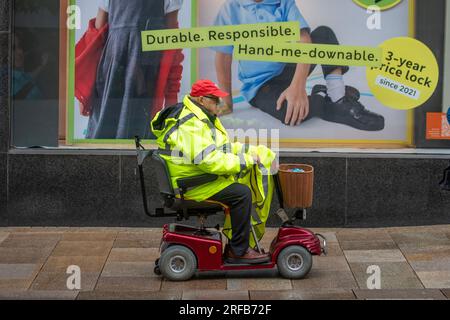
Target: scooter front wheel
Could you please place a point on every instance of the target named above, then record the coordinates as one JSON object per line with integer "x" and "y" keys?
{"x": 294, "y": 262}
{"x": 178, "y": 263}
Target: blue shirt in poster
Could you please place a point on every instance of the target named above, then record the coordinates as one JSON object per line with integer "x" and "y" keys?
{"x": 254, "y": 74}
{"x": 448, "y": 115}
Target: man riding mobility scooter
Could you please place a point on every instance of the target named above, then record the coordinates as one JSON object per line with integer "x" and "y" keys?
{"x": 186, "y": 250}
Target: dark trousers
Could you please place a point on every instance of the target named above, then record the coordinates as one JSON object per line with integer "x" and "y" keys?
{"x": 268, "y": 94}
{"x": 239, "y": 198}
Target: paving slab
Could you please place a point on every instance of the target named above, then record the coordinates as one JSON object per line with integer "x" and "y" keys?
{"x": 313, "y": 294}
{"x": 368, "y": 245}
{"x": 393, "y": 275}
{"x": 399, "y": 294}
{"x": 435, "y": 279}
{"x": 205, "y": 283}
{"x": 204, "y": 295}
{"x": 133, "y": 295}
{"x": 430, "y": 253}
{"x": 324, "y": 279}
{"x": 128, "y": 284}
{"x": 330, "y": 263}
{"x": 38, "y": 295}
{"x": 90, "y": 236}
{"x": 3, "y": 236}
{"x": 57, "y": 281}
{"x": 386, "y": 268}
{"x": 415, "y": 229}
{"x": 259, "y": 284}
{"x": 363, "y": 235}
{"x": 374, "y": 256}
{"x": 136, "y": 243}
{"x": 82, "y": 248}
{"x": 334, "y": 249}
{"x": 15, "y": 229}
{"x": 390, "y": 282}
{"x": 149, "y": 234}
{"x": 18, "y": 271}
{"x": 24, "y": 255}
{"x": 246, "y": 274}
{"x": 420, "y": 239}
{"x": 107, "y": 229}
{"x": 133, "y": 255}
{"x": 88, "y": 264}
{"x": 441, "y": 264}
{"x": 15, "y": 284}
{"x": 129, "y": 269}
{"x": 150, "y": 238}
{"x": 38, "y": 229}
{"x": 29, "y": 241}
{"x": 446, "y": 292}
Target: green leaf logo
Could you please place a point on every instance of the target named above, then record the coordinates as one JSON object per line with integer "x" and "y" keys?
{"x": 383, "y": 4}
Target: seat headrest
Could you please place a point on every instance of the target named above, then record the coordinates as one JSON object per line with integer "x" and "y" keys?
{"x": 162, "y": 174}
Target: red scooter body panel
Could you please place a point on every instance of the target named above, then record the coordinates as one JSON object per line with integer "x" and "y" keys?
{"x": 208, "y": 248}
{"x": 295, "y": 236}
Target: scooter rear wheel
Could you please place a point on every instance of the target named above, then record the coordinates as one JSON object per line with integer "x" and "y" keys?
{"x": 178, "y": 263}
{"x": 294, "y": 262}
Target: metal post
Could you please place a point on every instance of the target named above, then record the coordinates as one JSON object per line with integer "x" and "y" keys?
{"x": 256, "y": 239}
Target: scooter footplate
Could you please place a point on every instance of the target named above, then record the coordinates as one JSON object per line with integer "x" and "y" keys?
{"x": 235, "y": 265}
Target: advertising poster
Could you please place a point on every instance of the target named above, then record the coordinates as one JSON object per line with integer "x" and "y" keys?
{"x": 348, "y": 20}
{"x": 383, "y": 83}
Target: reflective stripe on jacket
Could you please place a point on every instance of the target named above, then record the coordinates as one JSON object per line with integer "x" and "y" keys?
{"x": 204, "y": 147}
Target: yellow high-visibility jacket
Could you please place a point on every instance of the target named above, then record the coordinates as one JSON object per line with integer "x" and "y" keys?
{"x": 198, "y": 146}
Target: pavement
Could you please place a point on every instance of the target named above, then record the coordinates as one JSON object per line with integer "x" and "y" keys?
{"x": 117, "y": 263}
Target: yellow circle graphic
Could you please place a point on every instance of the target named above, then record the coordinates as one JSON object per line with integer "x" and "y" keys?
{"x": 382, "y": 4}
{"x": 408, "y": 75}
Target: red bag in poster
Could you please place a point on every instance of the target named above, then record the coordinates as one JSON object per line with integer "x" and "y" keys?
{"x": 169, "y": 78}
{"x": 174, "y": 80}
{"x": 88, "y": 52}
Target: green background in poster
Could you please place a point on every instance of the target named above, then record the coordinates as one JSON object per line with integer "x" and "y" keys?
{"x": 383, "y": 4}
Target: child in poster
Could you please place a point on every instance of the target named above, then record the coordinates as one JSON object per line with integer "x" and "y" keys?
{"x": 127, "y": 77}
{"x": 279, "y": 89}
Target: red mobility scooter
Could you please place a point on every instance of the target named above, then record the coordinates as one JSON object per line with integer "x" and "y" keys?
{"x": 186, "y": 250}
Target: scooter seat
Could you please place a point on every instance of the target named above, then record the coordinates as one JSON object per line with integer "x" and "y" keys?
{"x": 194, "y": 207}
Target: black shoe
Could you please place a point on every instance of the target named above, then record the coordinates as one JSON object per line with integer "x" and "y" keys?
{"x": 350, "y": 111}
{"x": 316, "y": 102}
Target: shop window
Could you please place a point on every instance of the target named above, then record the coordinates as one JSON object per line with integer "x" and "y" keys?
{"x": 78, "y": 84}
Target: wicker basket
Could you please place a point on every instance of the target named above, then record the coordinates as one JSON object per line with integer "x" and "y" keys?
{"x": 297, "y": 187}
